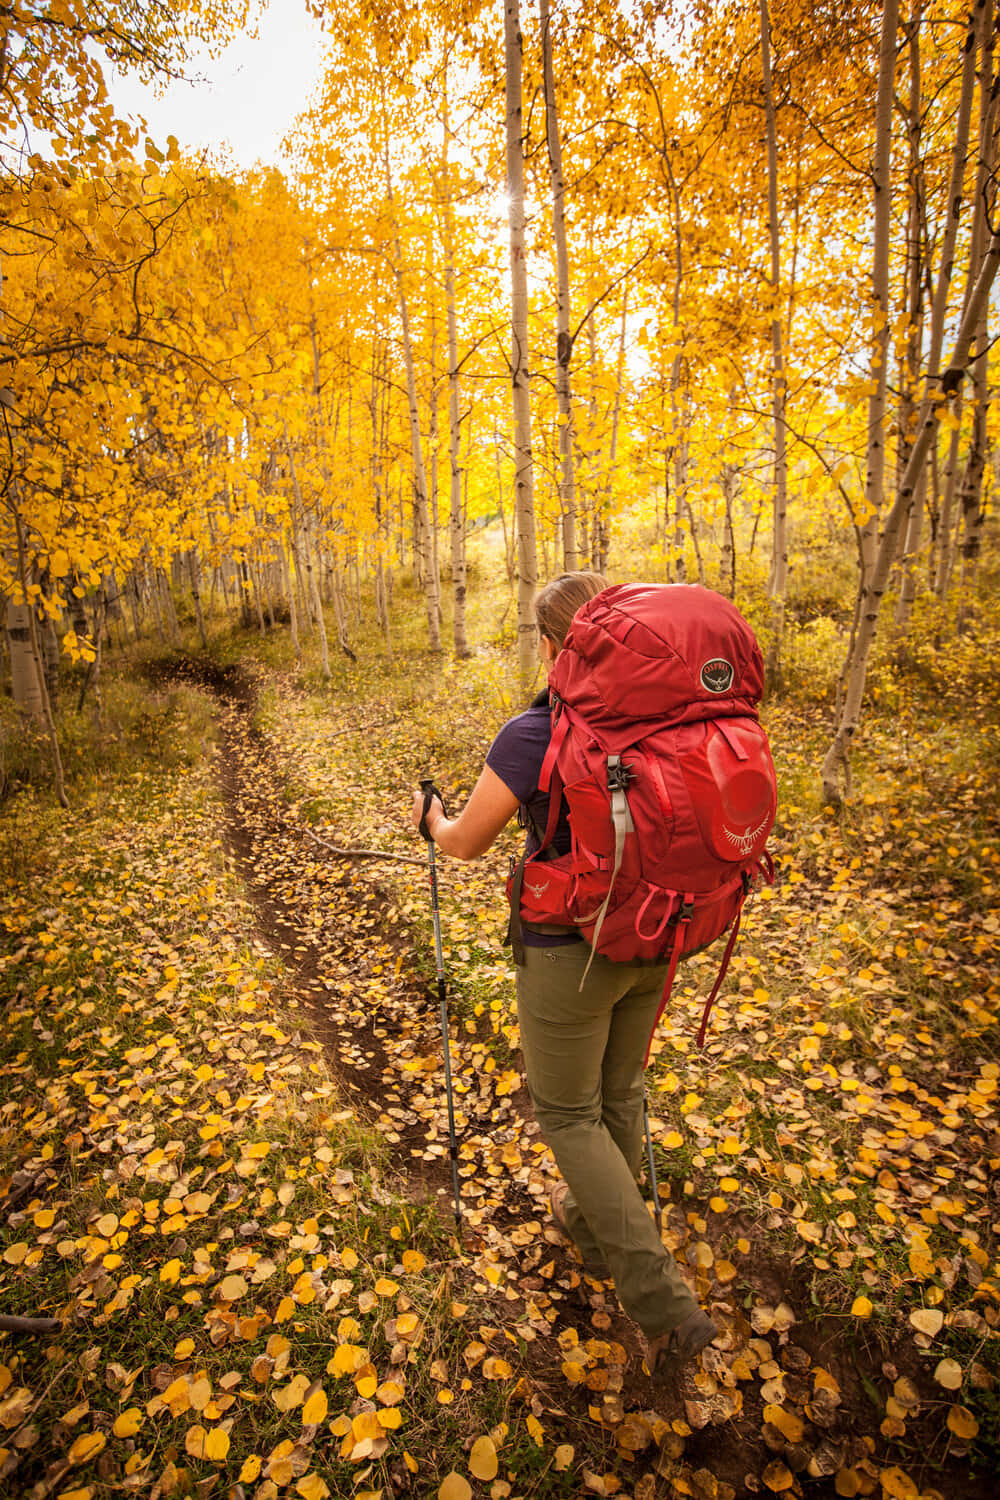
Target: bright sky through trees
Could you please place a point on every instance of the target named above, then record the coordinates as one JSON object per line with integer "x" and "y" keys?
{"x": 243, "y": 102}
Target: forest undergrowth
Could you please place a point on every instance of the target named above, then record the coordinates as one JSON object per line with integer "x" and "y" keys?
{"x": 223, "y": 1139}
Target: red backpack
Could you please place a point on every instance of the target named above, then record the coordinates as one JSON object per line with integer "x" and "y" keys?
{"x": 667, "y": 776}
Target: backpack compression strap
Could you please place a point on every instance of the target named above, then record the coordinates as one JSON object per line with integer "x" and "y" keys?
{"x": 619, "y": 777}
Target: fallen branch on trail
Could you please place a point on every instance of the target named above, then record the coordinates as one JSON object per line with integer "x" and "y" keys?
{"x": 28, "y": 1325}
{"x": 404, "y": 859}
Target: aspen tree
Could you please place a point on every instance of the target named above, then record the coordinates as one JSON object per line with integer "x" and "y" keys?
{"x": 939, "y": 307}
{"x": 527, "y": 559}
{"x": 564, "y": 339}
{"x": 456, "y": 515}
{"x": 778, "y": 584}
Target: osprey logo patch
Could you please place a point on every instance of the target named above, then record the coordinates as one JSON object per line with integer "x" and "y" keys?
{"x": 717, "y": 675}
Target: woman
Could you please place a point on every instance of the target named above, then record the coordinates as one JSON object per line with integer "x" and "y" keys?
{"x": 583, "y": 1050}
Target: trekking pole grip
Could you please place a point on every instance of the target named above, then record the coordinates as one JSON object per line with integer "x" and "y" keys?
{"x": 430, "y": 791}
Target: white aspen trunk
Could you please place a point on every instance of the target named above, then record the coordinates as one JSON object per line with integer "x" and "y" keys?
{"x": 939, "y": 307}
{"x": 312, "y": 552}
{"x": 972, "y": 481}
{"x": 527, "y": 555}
{"x": 602, "y": 520}
{"x": 881, "y": 183}
{"x": 456, "y": 516}
{"x": 308, "y": 548}
{"x": 778, "y": 586}
{"x": 50, "y": 725}
{"x": 293, "y": 614}
{"x": 192, "y": 561}
{"x": 421, "y": 517}
{"x": 25, "y": 687}
{"x": 433, "y": 434}
{"x": 564, "y": 339}
{"x": 837, "y": 755}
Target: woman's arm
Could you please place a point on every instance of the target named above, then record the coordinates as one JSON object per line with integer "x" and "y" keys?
{"x": 488, "y": 810}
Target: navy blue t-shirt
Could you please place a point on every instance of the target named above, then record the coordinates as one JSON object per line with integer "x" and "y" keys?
{"x": 516, "y": 756}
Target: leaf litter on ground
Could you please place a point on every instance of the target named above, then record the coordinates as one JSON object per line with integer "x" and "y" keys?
{"x": 180, "y": 1155}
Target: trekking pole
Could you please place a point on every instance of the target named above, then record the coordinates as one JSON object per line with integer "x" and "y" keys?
{"x": 657, "y": 1207}
{"x": 430, "y": 792}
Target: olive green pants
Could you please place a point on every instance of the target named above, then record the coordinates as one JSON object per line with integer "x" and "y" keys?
{"x": 583, "y": 1058}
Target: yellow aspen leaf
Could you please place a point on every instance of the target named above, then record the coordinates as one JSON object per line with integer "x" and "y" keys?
{"x": 183, "y": 1348}
{"x": 788, "y": 1424}
{"x": 537, "y": 1431}
{"x": 897, "y": 1484}
{"x": 293, "y": 1394}
{"x": 251, "y": 1469}
{"x": 413, "y": 1261}
{"x": 672, "y": 1140}
{"x": 232, "y": 1288}
{"x": 454, "y": 1486}
{"x": 313, "y": 1487}
{"x": 386, "y": 1287}
{"x": 348, "y": 1259}
{"x": 81, "y": 1494}
{"x": 315, "y": 1406}
{"x": 810, "y": 1232}
{"x": 217, "y": 1445}
{"x": 44, "y": 1219}
{"x": 563, "y": 1457}
{"x": 106, "y": 1225}
{"x": 194, "y": 1441}
{"x": 962, "y": 1423}
{"x": 495, "y": 1368}
{"x": 127, "y": 1423}
{"x": 87, "y": 1446}
{"x": 199, "y": 1394}
{"x": 284, "y": 1310}
{"x": 407, "y": 1325}
{"x": 346, "y": 1359}
{"x": 929, "y": 1320}
{"x": 170, "y": 1272}
{"x": 847, "y": 1483}
{"x": 14, "y": 1254}
{"x": 483, "y": 1463}
{"x": 861, "y": 1308}
{"x": 778, "y": 1477}
{"x": 390, "y": 1417}
{"x": 391, "y": 1392}
{"x": 949, "y": 1374}
{"x": 176, "y": 1397}
{"x": 366, "y": 1425}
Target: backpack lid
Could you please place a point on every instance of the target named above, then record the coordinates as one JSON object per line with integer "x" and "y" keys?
{"x": 657, "y": 654}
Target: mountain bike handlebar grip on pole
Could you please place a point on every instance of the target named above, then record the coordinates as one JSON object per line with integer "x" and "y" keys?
{"x": 430, "y": 791}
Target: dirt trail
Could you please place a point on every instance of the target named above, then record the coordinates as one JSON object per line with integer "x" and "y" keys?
{"x": 356, "y": 970}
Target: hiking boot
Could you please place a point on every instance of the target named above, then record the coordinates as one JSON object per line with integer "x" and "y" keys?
{"x": 669, "y": 1350}
{"x": 596, "y": 1266}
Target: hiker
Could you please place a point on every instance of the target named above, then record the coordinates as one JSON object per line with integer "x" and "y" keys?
{"x": 584, "y": 1050}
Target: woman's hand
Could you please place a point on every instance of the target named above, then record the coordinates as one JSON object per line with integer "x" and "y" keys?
{"x": 435, "y": 811}
{"x": 487, "y": 811}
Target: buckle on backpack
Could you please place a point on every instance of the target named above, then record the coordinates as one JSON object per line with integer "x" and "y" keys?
{"x": 686, "y": 912}
{"x": 619, "y": 774}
